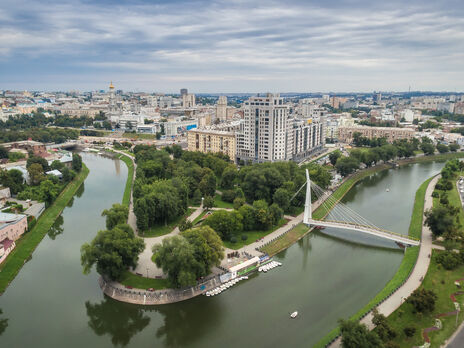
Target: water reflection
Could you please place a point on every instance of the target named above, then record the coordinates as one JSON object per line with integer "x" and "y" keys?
{"x": 305, "y": 245}
{"x": 80, "y": 190}
{"x": 3, "y": 324}
{"x": 187, "y": 322}
{"x": 121, "y": 321}
{"x": 57, "y": 228}
{"x": 370, "y": 181}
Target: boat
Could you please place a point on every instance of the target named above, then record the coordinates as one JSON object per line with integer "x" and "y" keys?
{"x": 388, "y": 190}
{"x": 294, "y": 315}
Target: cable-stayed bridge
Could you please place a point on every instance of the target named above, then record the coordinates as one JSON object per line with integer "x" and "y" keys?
{"x": 342, "y": 216}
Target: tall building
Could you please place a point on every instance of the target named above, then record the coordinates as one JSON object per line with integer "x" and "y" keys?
{"x": 188, "y": 101}
{"x": 263, "y": 134}
{"x": 221, "y": 108}
{"x": 209, "y": 140}
{"x": 183, "y": 91}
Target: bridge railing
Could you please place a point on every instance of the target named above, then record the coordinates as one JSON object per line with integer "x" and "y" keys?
{"x": 368, "y": 227}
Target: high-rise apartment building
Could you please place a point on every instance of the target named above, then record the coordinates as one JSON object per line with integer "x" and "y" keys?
{"x": 221, "y": 108}
{"x": 183, "y": 91}
{"x": 188, "y": 100}
{"x": 263, "y": 134}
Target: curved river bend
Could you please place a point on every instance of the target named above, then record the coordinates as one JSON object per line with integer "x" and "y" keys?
{"x": 52, "y": 304}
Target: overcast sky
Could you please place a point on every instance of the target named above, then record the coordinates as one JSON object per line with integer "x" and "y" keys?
{"x": 232, "y": 46}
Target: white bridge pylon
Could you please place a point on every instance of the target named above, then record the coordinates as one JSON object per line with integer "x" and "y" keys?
{"x": 344, "y": 217}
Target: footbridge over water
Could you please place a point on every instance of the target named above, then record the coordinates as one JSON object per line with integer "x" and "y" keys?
{"x": 341, "y": 216}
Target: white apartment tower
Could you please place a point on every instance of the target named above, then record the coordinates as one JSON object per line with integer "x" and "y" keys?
{"x": 264, "y": 131}
{"x": 188, "y": 100}
{"x": 221, "y": 108}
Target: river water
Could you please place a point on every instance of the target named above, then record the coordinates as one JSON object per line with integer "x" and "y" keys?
{"x": 52, "y": 304}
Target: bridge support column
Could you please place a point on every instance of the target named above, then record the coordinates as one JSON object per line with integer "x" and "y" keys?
{"x": 307, "y": 212}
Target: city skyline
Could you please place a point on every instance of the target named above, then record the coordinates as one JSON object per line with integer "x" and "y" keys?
{"x": 232, "y": 47}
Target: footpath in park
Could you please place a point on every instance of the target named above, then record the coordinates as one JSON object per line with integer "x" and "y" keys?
{"x": 417, "y": 275}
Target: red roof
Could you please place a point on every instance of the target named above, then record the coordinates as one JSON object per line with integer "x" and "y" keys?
{"x": 6, "y": 243}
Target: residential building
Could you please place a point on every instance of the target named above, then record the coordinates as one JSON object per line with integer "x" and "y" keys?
{"x": 345, "y": 134}
{"x": 221, "y": 108}
{"x": 12, "y": 226}
{"x": 308, "y": 137}
{"x": 210, "y": 140}
{"x": 188, "y": 101}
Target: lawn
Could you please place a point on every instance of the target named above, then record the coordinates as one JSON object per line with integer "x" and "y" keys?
{"x": 138, "y": 282}
{"x": 199, "y": 217}
{"x": 26, "y": 245}
{"x": 286, "y": 240}
{"x": 139, "y": 136}
{"x": 219, "y": 203}
{"x": 162, "y": 229}
{"x": 130, "y": 177}
{"x": 454, "y": 201}
{"x": 252, "y": 236}
{"x": 442, "y": 283}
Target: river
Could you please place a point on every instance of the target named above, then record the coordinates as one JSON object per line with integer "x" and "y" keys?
{"x": 52, "y": 304}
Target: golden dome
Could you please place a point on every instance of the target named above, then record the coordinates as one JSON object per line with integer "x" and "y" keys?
{"x": 111, "y": 85}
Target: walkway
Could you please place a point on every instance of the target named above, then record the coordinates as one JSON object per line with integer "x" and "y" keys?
{"x": 417, "y": 274}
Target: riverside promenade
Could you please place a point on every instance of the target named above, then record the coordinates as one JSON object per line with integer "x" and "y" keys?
{"x": 415, "y": 278}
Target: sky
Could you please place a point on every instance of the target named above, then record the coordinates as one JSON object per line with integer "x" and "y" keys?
{"x": 232, "y": 46}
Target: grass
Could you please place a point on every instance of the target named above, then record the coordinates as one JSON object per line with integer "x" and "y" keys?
{"x": 26, "y": 245}
{"x": 162, "y": 229}
{"x": 219, "y": 203}
{"x": 130, "y": 177}
{"x": 138, "y": 282}
{"x": 453, "y": 199}
{"x": 442, "y": 283}
{"x": 252, "y": 236}
{"x": 199, "y": 217}
{"x": 139, "y": 136}
{"x": 286, "y": 240}
{"x": 406, "y": 266}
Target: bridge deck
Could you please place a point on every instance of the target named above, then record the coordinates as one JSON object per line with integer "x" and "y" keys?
{"x": 366, "y": 229}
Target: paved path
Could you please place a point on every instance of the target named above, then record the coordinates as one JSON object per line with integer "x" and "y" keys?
{"x": 417, "y": 275}
{"x": 145, "y": 265}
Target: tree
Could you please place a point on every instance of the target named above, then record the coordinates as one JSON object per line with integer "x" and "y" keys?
{"x": 38, "y": 160}
{"x": 176, "y": 257}
{"x": 238, "y": 202}
{"x": 454, "y": 147}
{"x": 356, "y": 335}
{"x": 76, "y": 162}
{"x": 112, "y": 251}
{"x": 226, "y": 224}
{"x": 185, "y": 224}
{"x": 261, "y": 214}
{"x": 427, "y": 148}
{"x": 48, "y": 191}
{"x": 36, "y": 173}
{"x": 282, "y": 198}
{"x": 248, "y": 217}
{"x": 116, "y": 215}
{"x": 207, "y": 184}
{"x": 208, "y": 247}
{"x": 442, "y": 148}
{"x": 275, "y": 214}
{"x": 440, "y": 220}
{"x": 176, "y": 151}
{"x": 13, "y": 179}
{"x": 383, "y": 329}
{"x": 57, "y": 165}
{"x": 346, "y": 165}
{"x": 228, "y": 177}
{"x": 334, "y": 156}
{"x": 208, "y": 202}
{"x": 3, "y": 152}
{"x": 449, "y": 259}
{"x": 423, "y": 300}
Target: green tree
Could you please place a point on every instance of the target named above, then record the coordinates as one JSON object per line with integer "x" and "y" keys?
{"x": 383, "y": 329}
{"x": 112, "y": 251}
{"x": 48, "y": 191}
{"x": 185, "y": 224}
{"x": 282, "y": 198}
{"x": 238, "y": 202}
{"x": 442, "y": 148}
{"x": 441, "y": 221}
{"x": 116, "y": 215}
{"x": 334, "y": 156}
{"x": 208, "y": 202}
{"x": 38, "y": 160}
{"x": 454, "y": 147}
{"x": 228, "y": 177}
{"x": 261, "y": 214}
{"x": 409, "y": 331}
{"x": 36, "y": 174}
{"x": 275, "y": 214}
{"x": 76, "y": 162}
{"x": 3, "y": 152}
{"x": 357, "y": 335}
{"x": 226, "y": 224}
{"x": 427, "y": 148}
{"x": 423, "y": 300}
{"x": 13, "y": 179}
{"x": 347, "y": 165}
{"x": 207, "y": 184}
{"x": 176, "y": 257}
{"x": 248, "y": 217}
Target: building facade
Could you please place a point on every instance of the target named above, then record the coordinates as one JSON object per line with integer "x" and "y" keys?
{"x": 205, "y": 141}
{"x": 221, "y": 108}
{"x": 345, "y": 134}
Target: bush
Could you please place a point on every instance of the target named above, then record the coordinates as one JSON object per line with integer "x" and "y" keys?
{"x": 444, "y": 199}
{"x": 449, "y": 259}
{"x": 228, "y": 196}
{"x": 233, "y": 239}
{"x": 435, "y": 194}
{"x": 244, "y": 237}
{"x": 422, "y": 300}
{"x": 409, "y": 331}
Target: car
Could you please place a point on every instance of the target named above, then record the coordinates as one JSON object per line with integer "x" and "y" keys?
{"x": 150, "y": 289}
{"x": 129, "y": 287}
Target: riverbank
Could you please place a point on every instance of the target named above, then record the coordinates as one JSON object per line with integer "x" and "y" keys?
{"x": 26, "y": 245}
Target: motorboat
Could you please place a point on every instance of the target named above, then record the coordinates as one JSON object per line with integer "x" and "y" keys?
{"x": 388, "y": 190}
{"x": 294, "y": 315}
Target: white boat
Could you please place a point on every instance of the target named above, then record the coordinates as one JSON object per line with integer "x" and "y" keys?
{"x": 294, "y": 315}
{"x": 388, "y": 190}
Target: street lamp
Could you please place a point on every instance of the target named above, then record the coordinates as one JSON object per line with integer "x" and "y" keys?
{"x": 147, "y": 272}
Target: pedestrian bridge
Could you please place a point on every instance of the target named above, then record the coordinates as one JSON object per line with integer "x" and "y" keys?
{"x": 343, "y": 217}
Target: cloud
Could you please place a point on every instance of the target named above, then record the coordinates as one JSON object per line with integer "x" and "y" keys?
{"x": 187, "y": 40}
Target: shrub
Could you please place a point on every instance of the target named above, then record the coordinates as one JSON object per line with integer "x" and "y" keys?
{"x": 409, "y": 331}
{"x": 435, "y": 194}
{"x": 233, "y": 239}
{"x": 449, "y": 260}
{"x": 423, "y": 300}
{"x": 444, "y": 199}
{"x": 228, "y": 196}
{"x": 244, "y": 237}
